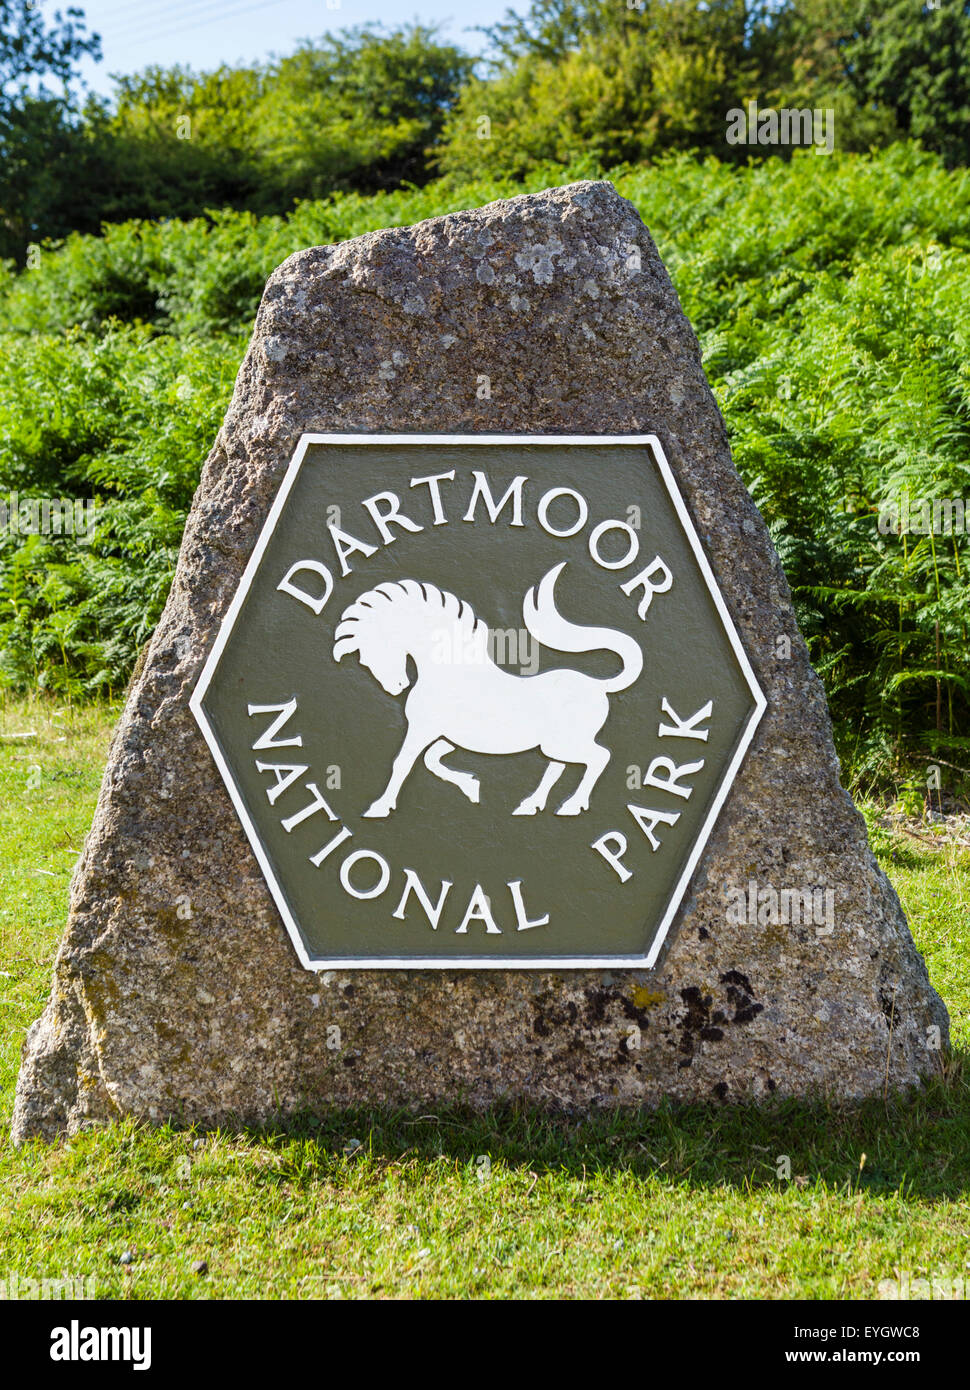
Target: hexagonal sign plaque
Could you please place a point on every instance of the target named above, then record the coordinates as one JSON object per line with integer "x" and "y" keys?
{"x": 478, "y": 701}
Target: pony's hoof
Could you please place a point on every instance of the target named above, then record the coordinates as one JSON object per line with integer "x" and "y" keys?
{"x": 525, "y": 808}
{"x": 571, "y": 808}
{"x": 469, "y": 786}
{"x": 378, "y": 811}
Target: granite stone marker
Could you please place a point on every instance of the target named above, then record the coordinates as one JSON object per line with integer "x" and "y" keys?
{"x": 477, "y": 754}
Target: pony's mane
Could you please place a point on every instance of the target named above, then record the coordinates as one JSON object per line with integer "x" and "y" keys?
{"x": 423, "y": 601}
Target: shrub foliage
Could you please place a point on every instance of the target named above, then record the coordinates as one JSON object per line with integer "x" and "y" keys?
{"x": 831, "y": 296}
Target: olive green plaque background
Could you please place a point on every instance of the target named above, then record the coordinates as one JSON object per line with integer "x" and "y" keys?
{"x": 273, "y": 649}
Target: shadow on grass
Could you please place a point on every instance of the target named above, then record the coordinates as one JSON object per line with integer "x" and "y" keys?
{"x": 917, "y": 1146}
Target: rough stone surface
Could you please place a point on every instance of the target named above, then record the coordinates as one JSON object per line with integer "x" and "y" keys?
{"x": 176, "y": 991}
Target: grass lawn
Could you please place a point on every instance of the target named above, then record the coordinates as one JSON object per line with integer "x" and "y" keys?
{"x": 690, "y": 1202}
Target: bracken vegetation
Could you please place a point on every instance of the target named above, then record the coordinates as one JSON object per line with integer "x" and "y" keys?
{"x": 829, "y": 291}
{"x": 831, "y": 296}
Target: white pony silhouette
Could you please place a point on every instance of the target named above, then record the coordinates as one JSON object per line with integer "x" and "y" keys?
{"x": 469, "y": 702}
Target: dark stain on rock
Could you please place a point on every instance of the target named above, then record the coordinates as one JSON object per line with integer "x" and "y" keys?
{"x": 696, "y": 1019}
{"x": 634, "y": 1014}
{"x": 702, "y": 1024}
{"x": 596, "y": 1002}
{"x": 600, "y": 1003}
{"x": 739, "y": 993}
{"x": 549, "y": 1018}
{"x": 734, "y": 977}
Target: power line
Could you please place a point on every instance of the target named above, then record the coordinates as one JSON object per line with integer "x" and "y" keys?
{"x": 136, "y": 17}
{"x": 125, "y": 5}
{"x": 133, "y": 22}
{"x": 232, "y": 15}
{"x": 176, "y": 16}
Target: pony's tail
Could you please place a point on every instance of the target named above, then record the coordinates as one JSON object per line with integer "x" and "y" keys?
{"x": 547, "y": 626}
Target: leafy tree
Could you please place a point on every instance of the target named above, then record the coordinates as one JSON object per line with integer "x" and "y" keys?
{"x": 221, "y": 106}
{"x": 32, "y": 47}
{"x": 173, "y": 143}
{"x": 358, "y": 110}
{"x": 613, "y": 83}
{"x": 891, "y": 69}
{"x": 624, "y": 81}
{"x": 551, "y": 28}
{"x": 38, "y": 136}
{"x": 913, "y": 59}
{"x": 38, "y": 167}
